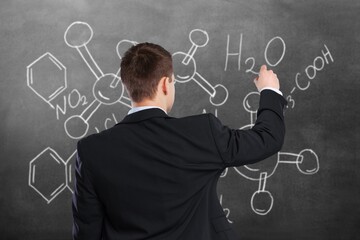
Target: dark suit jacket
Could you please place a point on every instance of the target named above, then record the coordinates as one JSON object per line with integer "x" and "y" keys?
{"x": 154, "y": 177}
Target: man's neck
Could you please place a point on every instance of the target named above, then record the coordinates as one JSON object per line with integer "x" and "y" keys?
{"x": 138, "y": 109}
{"x": 148, "y": 103}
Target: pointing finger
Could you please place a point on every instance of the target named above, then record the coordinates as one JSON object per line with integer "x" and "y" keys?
{"x": 263, "y": 68}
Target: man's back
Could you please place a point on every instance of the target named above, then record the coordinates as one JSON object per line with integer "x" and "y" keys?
{"x": 155, "y": 177}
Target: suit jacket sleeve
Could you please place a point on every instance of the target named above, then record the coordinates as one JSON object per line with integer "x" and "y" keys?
{"x": 240, "y": 147}
{"x": 86, "y": 207}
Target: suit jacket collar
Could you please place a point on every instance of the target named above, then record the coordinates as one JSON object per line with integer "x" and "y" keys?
{"x": 144, "y": 115}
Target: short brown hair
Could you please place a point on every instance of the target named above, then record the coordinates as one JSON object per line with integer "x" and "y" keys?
{"x": 142, "y": 67}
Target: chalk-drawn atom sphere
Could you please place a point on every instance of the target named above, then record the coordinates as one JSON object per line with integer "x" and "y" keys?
{"x": 220, "y": 96}
{"x": 78, "y": 34}
{"x": 199, "y": 37}
{"x": 123, "y": 45}
{"x": 308, "y": 162}
{"x": 262, "y": 202}
{"x": 76, "y": 126}
{"x": 183, "y": 72}
{"x": 251, "y": 102}
{"x": 108, "y": 89}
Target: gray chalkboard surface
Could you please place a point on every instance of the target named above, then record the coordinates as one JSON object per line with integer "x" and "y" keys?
{"x": 59, "y": 82}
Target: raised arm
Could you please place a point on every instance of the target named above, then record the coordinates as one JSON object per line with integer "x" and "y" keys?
{"x": 240, "y": 147}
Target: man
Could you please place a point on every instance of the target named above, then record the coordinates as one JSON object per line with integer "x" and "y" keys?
{"x": 154, "y": 177}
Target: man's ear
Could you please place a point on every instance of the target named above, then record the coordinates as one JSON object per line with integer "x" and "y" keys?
{"x": 164, "y": 84}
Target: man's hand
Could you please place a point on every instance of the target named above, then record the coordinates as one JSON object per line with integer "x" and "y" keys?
{"x": 266, "y": 78}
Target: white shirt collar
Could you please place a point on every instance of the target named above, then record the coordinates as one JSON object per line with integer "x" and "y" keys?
{"x": 138, "y": 109}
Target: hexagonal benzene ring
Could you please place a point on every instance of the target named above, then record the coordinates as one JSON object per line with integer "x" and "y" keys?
{"x": 47, "y": 174}
{"x": 46, "y": 76}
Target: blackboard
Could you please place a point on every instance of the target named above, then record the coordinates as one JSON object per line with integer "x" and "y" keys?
{"x": 59, "y": 57}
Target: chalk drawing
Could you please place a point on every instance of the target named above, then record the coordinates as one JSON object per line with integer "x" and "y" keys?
{"x": 236, "y": 54}
{"x": 251, "y": 60}
{"x": 306, "y": 161}
{"x": 185, "y": 69}
{"x": 303, "y": 83}
{"x": 107, "y": 89}
{"x": 262, "y": 201}
{"x": 226, "y": 210}
{"x": 49, "y": 174}
{"x": 282, "y": 54}
{"x": 46, "y": 76}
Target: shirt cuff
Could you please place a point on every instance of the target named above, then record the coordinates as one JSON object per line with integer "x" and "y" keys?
{"x": 272, "y": 89}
